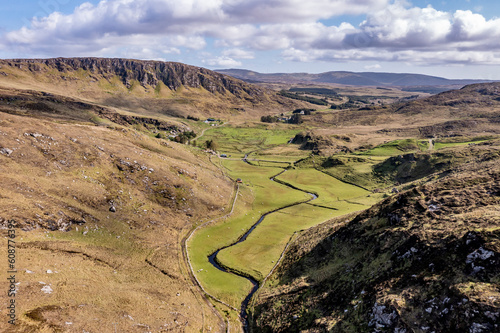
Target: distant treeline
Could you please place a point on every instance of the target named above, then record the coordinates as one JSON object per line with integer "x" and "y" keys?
{"x": 294, "y": 119}
{"x": 318, "y": 91}
{"x": 426, "y": 89}
{"x": 311, "y": 100}
{"x": 304, "y": 111}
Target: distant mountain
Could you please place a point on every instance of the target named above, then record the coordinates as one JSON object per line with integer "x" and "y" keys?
{"x": 349, "y": 78}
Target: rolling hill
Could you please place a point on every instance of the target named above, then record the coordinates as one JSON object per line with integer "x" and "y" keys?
{"x": 349, "y": 78}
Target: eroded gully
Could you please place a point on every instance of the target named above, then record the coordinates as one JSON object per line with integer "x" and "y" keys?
{"x": 213, "y": 257}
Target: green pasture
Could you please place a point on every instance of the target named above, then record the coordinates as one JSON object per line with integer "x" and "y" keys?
{"x": 353, "y": 169}
{"x": 285, "y": 152}
{"x": 329, "y": 189}
{"x": 245, "y": 139}
{"x": 398, "y": 147}
{"x": 440, "y": 145}
{"x": 258, "y": 254}
{"x": 258, "y": 195}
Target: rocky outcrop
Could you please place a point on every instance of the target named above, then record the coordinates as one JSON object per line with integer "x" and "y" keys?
{"x": 147, "y": 73}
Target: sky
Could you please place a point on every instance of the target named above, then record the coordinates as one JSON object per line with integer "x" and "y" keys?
{"x": 452, "y": 39}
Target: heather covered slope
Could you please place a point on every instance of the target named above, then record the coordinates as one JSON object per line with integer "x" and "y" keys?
{"x": 424, "y": 260}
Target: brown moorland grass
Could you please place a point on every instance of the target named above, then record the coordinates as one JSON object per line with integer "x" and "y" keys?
{"x": 106, "y": 269}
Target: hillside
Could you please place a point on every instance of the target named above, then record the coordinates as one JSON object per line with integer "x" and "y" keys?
{"x": 147, "y": 87}
{"x": 424, "y": 260}
{"x": 471, "y": 111}
{"x": 100, "y": 213}
{"x": 349, "y": 78}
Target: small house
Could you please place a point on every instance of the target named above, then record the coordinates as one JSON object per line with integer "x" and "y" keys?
{"x": 223, "y": 155}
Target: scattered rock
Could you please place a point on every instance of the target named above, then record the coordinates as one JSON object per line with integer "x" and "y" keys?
{"x": 112, "y": 209}
{"x": 480, "y": 253}
{"x": 47, "y": 289}
{"x": 6, "y": 151}
{"x": 433, "y": 207}
{"x": 478, "y": 328}
{"x": 380, "y": 317}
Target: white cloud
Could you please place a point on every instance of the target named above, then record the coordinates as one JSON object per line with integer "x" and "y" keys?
{"x": 392, "y": 31}
{"x": 423, "y": 58}
{"x": 223, "y": 62}
{"x": 423, "y": 36}
{"x": 370, "y": 67}
{"x": 292, "y": 11}
{"x": 238, "y": 54}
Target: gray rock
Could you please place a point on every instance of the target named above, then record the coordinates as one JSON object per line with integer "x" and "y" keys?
{"x": 6, "y": 151}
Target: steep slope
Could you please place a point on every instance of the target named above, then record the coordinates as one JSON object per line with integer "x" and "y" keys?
{"x": 99, "y": 215}
{"x": 141, "y": 86}
{"x": 424, "y": 260}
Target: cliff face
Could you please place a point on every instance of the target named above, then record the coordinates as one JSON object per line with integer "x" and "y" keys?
{"x": 139, "y": 86}
{"x": 148, "y": 73}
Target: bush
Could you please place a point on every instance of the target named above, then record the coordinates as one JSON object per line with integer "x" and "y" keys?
{"x": 184, "y": 137}
{"x": 269, "y": 119}
{"x": 211, "y": 144}
{"x": 296, "y": 119}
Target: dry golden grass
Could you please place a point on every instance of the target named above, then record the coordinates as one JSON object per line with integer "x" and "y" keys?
{"x": 106, "y": 266}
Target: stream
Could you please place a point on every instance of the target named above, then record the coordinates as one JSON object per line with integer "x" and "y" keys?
{"x": 213, "y": 257}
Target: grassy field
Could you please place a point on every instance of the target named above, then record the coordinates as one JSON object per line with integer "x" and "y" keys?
{"x": 439, "y": 144}
{"x": 257, "y": 196}
{"x": 329, "y": 190}
{"x": 397, "y": 147}
{"x": 246, "y": 138}
{"x": 258, "y": 254}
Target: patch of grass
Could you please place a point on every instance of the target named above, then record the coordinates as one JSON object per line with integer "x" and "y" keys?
{"x": 351, "y": 169}
{"x": 397, "y": 147}
{"x": 329, "y": 189}
{"x": 459, "y": 141}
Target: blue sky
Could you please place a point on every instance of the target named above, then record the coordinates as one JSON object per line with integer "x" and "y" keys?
{"x": 454, "y": 39}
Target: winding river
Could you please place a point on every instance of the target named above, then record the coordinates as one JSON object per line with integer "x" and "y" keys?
{"x": 213, "y": 257}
